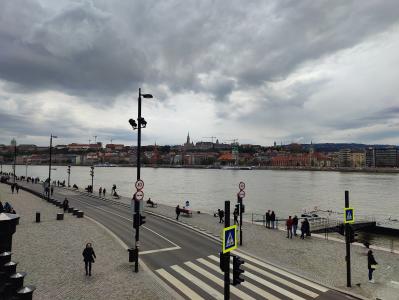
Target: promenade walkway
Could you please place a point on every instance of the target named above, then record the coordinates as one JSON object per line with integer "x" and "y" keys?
{"x": 315, "y": 258}
{"x": 51, "y": 253}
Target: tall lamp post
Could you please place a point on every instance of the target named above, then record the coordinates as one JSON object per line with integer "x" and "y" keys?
{"x": 141, "y": 123}
{"x": 49, "y": 165}
{"x": 14, "y": 143}
{"x": 69, "y": 175}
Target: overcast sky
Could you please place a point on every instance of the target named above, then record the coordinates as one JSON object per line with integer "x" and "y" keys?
{"x": 256, "y": 71}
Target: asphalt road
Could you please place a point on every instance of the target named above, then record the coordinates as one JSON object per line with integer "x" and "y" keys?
{"x": 188, "y": 261}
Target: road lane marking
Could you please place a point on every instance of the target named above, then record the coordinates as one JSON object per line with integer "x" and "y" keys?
{"x": 274, "y": 277}
{"x": 245, "y": 284}
{"x": 178, "y": 284}
{"x": 130, "y": 220}
{"x": 218, "y": 281}
{"x": 282, "y": 272}
{"x": 208, "y": 289}
{"x": 159, "y": 250}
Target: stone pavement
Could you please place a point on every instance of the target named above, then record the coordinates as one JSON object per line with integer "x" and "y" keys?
{"x": 51, "y": 253}
{"x": 315, "y": 258}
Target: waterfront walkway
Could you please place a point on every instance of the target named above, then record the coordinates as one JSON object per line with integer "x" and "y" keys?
{"x": 315, "y": 258}
{"x": 51, "y": 253}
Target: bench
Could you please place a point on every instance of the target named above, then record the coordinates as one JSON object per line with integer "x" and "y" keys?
{"x": 186, "y": 212}
{"x": 151, "y": 204}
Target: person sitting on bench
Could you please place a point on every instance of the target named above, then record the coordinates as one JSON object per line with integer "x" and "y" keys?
{"x": 150, "y": 202}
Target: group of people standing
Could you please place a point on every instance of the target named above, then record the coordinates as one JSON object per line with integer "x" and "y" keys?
{"x": 101, "y": 191}
{"x": 14, "y": 187}
{"x": 271, "y": 219}
{"x": 292, "y": 227}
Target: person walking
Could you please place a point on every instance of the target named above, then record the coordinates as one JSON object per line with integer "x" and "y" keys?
{"x": 17, "y": 187}
{"x": 88, "y": 258}
{"x": 221, "y": 215}
{"x": 288, "y": 224}
{"x": 371, "y": 264}
{"x": 12, "y": 188}
{"x": 273, "y": 219}
{"x": 177, "y": 212}
{"x": 268, "y": 219}
{"x": 235, "y": 214}
{"x": 104, "y": 190}
{"x": 305, "y": 228}
{"x": 100, "y": 191}
{"x": 52, "y": 190}
{"x": 65, "y": 204}
{"x": 295, "y": 225}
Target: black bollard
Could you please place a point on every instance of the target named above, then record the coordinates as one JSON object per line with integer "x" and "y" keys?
{"x": 70, "y": 209}
{"x": 5, "y": 257}
{"x": 60, "y": 216}
{"x": 75, "y": 211}
{"x": 80, "y": 214}
{"x": 37, "y": 217}
{"x": 26, "y": 293}
{"x": 8, "y": 223}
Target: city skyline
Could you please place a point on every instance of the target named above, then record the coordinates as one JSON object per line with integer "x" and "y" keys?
{"x": 259, "y": 73}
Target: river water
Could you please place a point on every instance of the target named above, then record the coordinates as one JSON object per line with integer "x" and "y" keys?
{"x": 285, "y": 191}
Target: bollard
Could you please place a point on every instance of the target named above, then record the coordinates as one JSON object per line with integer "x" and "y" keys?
{"x": 70, "y": 209}
{"x": 37, "y": 217}
{"x": 10, "y": 268}
{"x": 8, "y": 223}
{"x": 5, "y": 257}
{"x": 17, "y": 280}
{"x": 60, "y": 216}
{"x": 26, "y": 293}
{"x": 80, "y": 214}
{"x": 75, "y": 211}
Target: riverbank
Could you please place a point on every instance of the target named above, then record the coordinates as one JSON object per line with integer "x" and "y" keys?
{"x": 244, "y": 167}
{"x": 51, "y": 253}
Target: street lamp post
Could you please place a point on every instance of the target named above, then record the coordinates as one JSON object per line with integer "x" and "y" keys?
{"x": 14, "y": 142}
{"x": 49, "y": 165}
{"x": 69, "y": 175}
{"x": 141, "y": 123}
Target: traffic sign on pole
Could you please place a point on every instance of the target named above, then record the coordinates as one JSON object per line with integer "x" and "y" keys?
{"x": 139, "y": 184}
{"x": 139, "y": 195}
{"x": 241, "y": 194}
{"x": 349, "y": 215}
{"x": 229, "y": 238}
{"x": 241, "y": 186}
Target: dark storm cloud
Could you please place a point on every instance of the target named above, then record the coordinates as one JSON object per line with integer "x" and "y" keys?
{"x": 97, "y": 49}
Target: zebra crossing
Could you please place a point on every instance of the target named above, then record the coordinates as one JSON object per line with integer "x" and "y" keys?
{"x": 203, "y": 279}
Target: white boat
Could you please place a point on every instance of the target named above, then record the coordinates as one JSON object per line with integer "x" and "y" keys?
{"x": 104, "y": 165}
{"x": 236, "y": 168}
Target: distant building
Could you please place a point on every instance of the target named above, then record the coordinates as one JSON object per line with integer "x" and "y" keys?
{"x": 84, "y": 147}
{"x": 381, "y": 157}
{"x": 188, "y": 145}
{"x": 345, "y": 160}
{"x": 26, "y": 148}
{"x": 358, "y": 159}
{"x": 114, "y": 147}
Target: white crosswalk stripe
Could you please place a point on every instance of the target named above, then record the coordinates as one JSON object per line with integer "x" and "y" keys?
{"x": 273, "y": 277}
{"x": 282, "y": 272}
{"x": 179, "y": 285}
{"x": 262, "y": 281}
{"x": 218, "y": 281}
{"x": 208, "y": 289}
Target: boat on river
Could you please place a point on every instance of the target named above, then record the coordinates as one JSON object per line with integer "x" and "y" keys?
{"x": 104, "y": 165}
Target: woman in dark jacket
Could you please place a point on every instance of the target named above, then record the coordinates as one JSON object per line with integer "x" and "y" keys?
{"x": 371, "y": 264}
{"x": 88, "y": 258}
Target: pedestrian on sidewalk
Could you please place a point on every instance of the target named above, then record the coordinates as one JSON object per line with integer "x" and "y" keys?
{"x": 12, "y": 188}
{"x": 52, "y": 190}
{"x": 100, "y": 191}
{"x": 65, "y": 204}
{"x": 235, "y": 214}
{"x": 17, "y": 187}
{"x": 104, "y": 192}
{"x": 88, "y": 258}
{"x": 371, "y": 264}
{"x": 295, "y": 225}
{"x": 305, "y": 228}
{"x": 221, "y": 215}
{"x": 288, "y": 224}
{"x": 273, "y": 219}
{"x": 268, "y": 219}
{"x": 177, "y": 212}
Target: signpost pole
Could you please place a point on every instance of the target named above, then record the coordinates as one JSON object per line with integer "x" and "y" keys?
{"x": 227, "y": 271}
{"x": 348, "y": 245}
{"x": 240, "y": 203}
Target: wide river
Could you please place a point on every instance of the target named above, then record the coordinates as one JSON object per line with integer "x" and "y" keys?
{"x": 286, "y": 192}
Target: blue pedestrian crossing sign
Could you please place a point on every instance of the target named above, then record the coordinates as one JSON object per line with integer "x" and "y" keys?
{"x": 229, "y": 238}
{"x": 349, "y": 215}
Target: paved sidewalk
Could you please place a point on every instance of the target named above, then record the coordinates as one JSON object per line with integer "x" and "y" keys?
{"x": 51, "y": 253}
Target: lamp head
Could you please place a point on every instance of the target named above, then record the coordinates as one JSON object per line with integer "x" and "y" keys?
{"x": 147, "y": 96}
{"x": 133, "y": 123}
{"x": 143, "y": 123}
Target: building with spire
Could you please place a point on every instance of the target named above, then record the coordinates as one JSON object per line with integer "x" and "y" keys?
{"x": 188, "y": 145}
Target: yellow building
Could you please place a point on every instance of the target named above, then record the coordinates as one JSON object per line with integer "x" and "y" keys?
{"x": 358, "y": 159}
